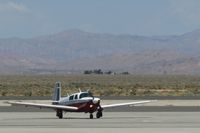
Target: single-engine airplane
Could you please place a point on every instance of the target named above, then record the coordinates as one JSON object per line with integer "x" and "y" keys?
{"x": 77, "y": 102}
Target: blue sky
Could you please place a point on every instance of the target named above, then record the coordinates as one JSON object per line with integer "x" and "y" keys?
{"x": 30, "y": 18}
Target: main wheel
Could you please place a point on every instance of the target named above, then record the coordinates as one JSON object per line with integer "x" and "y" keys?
{"x": 91, "y": 116}
{"x": 59, "y": 114}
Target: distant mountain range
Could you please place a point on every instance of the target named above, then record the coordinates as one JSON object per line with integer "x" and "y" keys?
{"x": 75, "y": 51}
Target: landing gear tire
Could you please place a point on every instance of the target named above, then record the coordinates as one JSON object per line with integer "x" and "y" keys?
{"x": 91, "y": 116}
{"x": 59, "y": 114}
{"x": 99, "y": 114}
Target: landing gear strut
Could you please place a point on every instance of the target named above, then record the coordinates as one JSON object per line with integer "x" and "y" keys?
{"x": 91, "y": 116}
{"x": 59, "y": 114}
{"x": 99, "y": 112}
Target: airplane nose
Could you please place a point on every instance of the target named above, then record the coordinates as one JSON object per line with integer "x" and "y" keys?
{"x": 96, "y": 100}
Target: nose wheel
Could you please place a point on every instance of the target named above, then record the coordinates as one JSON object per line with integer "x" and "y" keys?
{"x": 99, "y": 114}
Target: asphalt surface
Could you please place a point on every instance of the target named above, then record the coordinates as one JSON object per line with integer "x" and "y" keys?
{"x": 129, "y": 122}
{"x": 162, "y": 116}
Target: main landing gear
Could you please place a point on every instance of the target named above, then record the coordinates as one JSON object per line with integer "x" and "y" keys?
{"x": 91, "y": 116}
{"x": 59, "y": 114}
{"x": 99, "y": 114}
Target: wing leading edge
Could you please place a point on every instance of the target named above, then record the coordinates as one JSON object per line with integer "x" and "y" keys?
{"x": 26, "y": 104}
{"x": 124, "y": 104}
{"x": 70, "y": 108}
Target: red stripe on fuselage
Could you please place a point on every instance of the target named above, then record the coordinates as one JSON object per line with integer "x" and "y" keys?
{"x": 86, "y": 107}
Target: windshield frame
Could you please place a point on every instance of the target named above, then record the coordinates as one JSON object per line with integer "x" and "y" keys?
{"x": 85, "y": 94}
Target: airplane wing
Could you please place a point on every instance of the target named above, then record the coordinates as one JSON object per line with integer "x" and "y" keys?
{"x": 63, "y": 107}
{"x": 124, "y": 104}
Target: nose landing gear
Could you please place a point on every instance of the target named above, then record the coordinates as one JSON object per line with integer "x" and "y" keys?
{"x": 99, "y": 114}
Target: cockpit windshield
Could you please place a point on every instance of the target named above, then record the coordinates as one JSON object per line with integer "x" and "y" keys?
{"x": 85, "y": 94}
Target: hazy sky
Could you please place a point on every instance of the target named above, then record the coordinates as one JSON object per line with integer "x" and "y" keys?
{"x": 29, "y": 18}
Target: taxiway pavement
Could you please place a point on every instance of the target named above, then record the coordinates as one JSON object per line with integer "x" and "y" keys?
{"x": 129, "y": 122}
{"x": 163, "y": 116}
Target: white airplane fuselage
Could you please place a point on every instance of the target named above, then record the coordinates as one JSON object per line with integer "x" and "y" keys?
{"x": 84, "y": 101}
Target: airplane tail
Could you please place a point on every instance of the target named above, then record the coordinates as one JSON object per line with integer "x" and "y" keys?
{"x": 57, "y": 92}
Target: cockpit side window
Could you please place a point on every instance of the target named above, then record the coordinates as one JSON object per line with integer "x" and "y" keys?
{"x": 76, "y": 96}
{"x": 71, "y": 97}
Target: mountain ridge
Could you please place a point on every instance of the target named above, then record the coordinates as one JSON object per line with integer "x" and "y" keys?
{"x": 76, "y": 50}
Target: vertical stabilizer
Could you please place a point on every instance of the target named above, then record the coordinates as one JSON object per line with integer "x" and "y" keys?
{"x": 57, "y": 92}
